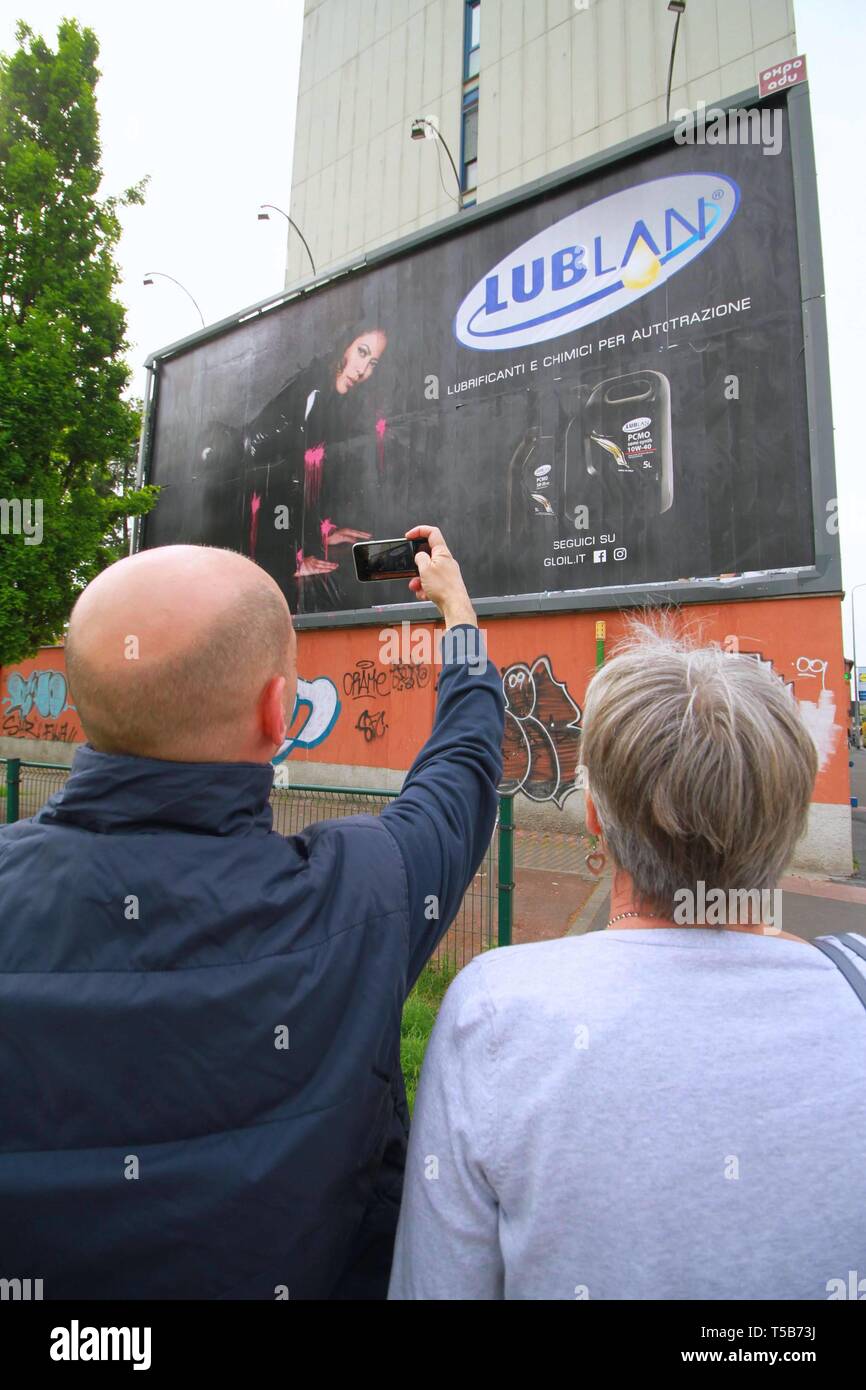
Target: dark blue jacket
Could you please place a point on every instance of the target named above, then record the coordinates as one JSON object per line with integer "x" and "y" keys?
{"x": 157, "y": 938}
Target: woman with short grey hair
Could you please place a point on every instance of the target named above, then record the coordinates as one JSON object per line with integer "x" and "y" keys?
{"x": 624, "y": 1115}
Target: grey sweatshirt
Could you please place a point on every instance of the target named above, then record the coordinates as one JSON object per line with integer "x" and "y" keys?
{"x": 672, "y": 1113}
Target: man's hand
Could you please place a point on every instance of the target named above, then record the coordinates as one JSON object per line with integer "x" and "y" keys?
{"x": 439, "y": 578}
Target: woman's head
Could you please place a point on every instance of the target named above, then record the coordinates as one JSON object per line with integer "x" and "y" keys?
{"x": 359, "y": 357}
{"x": 699, "y": 767}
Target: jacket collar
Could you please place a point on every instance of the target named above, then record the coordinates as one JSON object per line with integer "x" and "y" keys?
{"x": 107, "y": 792}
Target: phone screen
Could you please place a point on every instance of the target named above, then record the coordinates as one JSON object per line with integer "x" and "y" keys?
{"x": 392, "y": 559}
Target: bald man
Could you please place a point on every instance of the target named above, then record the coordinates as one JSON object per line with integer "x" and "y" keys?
{"x": 199, "y": 1018}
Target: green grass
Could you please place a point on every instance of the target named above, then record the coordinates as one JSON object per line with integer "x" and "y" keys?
{"x": 419, "y": 1015}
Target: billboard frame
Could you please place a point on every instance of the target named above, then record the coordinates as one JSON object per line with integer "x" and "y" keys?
{"x": 824, "y": 577}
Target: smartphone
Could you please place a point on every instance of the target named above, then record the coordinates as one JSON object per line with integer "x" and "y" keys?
{"x": 394, "y": 559}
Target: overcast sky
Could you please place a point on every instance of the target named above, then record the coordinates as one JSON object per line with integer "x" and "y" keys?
{"x": 201, "y": 96}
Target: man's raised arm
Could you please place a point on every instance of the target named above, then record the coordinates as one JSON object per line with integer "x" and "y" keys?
{"x": 444, "y": 816}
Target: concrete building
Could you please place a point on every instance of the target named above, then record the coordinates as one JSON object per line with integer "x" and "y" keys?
{"x": 518, "y": 89}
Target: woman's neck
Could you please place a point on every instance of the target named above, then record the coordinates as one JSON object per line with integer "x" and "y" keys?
{"x": 628, "y": 913}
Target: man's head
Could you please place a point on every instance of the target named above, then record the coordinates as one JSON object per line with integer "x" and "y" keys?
{"x": 185, "y": 653}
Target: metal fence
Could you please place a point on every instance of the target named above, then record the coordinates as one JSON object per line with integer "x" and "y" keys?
{"x": 474, "y": 929}
{"x": 25, "y": 787}
{"x": 484, "y": 919}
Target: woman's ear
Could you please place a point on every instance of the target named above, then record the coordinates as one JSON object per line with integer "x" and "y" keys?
{"x": 593, "y": 824}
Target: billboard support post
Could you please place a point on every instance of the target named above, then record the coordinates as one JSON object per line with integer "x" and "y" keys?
{"x": 13, "y": 786}
{"x": 147, "y": 418}
{"x": 600, "y": 634}
{"x": 506, "y": 871}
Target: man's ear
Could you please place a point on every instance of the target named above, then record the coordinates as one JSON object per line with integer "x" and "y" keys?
{"x": 593, "y": 824}
{"x": 272, "y": 711}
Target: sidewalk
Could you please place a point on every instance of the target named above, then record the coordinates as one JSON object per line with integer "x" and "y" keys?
{"x": 551, "y": 884}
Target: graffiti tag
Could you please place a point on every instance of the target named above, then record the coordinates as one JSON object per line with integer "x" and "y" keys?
{"x": 541, "y": 746}
{"x": 372, "y": 726}
{"x": 33, "y": 705}
{"x": 319, "y": 702}
{"x": 406, "y": 676}
{"x": 371, "y": 682}
{"x": 16, "y": 726}
{"x": 366, "y": 682}
{"x": 813, "y": 666}
{"x": 47, "y": 690}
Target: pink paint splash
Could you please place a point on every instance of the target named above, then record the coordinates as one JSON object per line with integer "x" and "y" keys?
{"x": 313, "y": 460}
{"x": 381, "y": 426}
{"x": 255, "y": 505}
{"x": 326, "y": 528}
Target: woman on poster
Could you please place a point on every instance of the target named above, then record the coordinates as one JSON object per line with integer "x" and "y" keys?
{"x": 306, "y": 450}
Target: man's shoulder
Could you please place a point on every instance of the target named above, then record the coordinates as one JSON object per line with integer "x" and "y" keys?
{"x": 360, "y": 834}
{"x": 361, "y": 845}
{"x": 28, "y": 828}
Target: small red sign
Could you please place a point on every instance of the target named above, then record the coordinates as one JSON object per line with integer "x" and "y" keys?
{"x": 781, "y": 75}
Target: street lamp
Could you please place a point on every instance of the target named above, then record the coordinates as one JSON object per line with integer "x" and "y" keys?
{"x": 857, "y": 733}
{"x": 265, "y": 217}
{"x": 418, "y": 131}
{"x": 676, "y": 7}
{"x": 148, "y": 280}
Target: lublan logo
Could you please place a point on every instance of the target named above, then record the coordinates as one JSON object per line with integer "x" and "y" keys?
{"x": 641, "y": 423}
{"x": 596, "y": 260}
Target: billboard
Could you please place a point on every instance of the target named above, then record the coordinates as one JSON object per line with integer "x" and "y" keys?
{"x": 604, "y": 390}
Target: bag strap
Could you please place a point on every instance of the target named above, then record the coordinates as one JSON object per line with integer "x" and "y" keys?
{"x": 831, "y": 947}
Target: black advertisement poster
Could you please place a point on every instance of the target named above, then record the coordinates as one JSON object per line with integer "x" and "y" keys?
{"x": 602, "y": 386}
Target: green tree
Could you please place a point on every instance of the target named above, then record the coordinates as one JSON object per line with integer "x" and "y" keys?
{"x": 116, "y": 479}
{"x": 66, "y": 432}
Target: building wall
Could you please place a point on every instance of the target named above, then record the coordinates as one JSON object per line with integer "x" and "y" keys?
{"x": 378, "y": 713}
{"x": 559, "y": 80}
{"x": 37, "y": 718}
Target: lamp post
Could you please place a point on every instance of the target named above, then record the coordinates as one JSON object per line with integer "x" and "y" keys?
{"x": 676, "y": 7}
{"x": 148, "y": 280}
{"x": 265, "y": 217}
{"x": 418, "y": 131}
{"x": 857, "y": 734}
